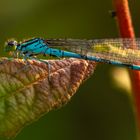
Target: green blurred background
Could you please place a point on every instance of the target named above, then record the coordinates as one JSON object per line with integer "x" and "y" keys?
{"x": 99, "y": 110}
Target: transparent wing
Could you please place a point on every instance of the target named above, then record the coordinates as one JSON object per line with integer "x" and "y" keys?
{"x": 110, "y": 49}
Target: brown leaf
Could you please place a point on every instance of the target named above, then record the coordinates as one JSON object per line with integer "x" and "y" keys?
{"x": 27, "y": 93}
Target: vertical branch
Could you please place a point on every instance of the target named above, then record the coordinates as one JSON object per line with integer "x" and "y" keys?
{"x": 124, "y": 19}
{"x": 127, "y": 31}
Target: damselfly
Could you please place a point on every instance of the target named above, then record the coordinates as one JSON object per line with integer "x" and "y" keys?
{"x": 112, "y": 51}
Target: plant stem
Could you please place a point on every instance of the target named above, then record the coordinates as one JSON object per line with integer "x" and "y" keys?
{"x": 126, "y": 31}
{"x": 124, "y": 19}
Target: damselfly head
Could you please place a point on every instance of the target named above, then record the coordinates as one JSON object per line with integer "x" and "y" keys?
{"x": 11, "y": 45}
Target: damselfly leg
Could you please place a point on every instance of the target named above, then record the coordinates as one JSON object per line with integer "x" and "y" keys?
{"x": 27, "y": 64}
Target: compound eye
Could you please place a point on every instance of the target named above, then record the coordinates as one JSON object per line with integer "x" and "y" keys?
{"x": 12, "y": 43}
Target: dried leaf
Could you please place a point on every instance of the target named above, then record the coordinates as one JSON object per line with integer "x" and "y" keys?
{"x": 27, "y": 94}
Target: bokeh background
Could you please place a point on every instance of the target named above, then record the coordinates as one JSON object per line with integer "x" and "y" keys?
{"x": 101, "y": 109}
